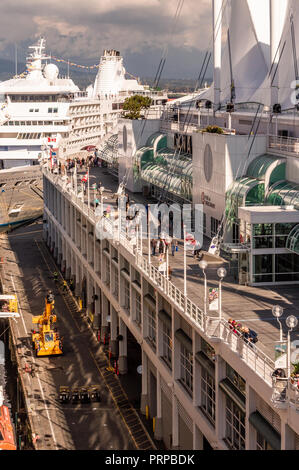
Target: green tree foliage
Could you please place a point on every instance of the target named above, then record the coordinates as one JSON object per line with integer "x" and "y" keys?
{"x": 134, "y": 105}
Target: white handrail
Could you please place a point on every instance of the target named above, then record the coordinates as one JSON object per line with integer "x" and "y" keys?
{"x": 212, "y": 327}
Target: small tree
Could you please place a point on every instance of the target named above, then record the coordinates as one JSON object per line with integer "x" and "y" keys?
{"x": 134, "y": 105}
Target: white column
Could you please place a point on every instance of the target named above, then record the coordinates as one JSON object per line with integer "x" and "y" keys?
{"x": 220, "y": 374}
{"x": 144, "y": 390}
{"x": 175, "y": 423}
{"x": 113, "y": 332}
{"x": 123, "y": 348}
{"x": 250, "y": 441}
{"x": 158, "y": 427}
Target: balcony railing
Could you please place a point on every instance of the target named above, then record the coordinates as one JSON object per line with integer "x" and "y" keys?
{"x": 283, "y": 144}
{"x": 212, "y": 327}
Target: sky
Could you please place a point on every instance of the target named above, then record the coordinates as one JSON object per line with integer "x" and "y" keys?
{"x": 140, "y": 29}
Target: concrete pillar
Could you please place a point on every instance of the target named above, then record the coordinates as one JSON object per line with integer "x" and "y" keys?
{"x": 220, "y": 374}
{"x": 197, "y": 438}
{"x": 144, "y": 387}
{"x": 113, "y": 332}
{"x": 250, "y": 439}
{"x": 175, "y": 424}
{"x": 78, "y": 279}
{"x": 123, "y": 348}
{"x": 105, "y": 314}
{"x": 288, "y": 438}
{"x": 98, "y": 308}
{"x": 159, "y": 422}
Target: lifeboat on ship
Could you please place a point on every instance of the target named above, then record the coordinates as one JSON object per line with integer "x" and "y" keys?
{"x": 7, "y": 439}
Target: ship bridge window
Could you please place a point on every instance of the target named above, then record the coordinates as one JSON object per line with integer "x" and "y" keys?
{"x": 50, "y": 110}
{"x": 31, "y": 110}
{"x": 55, "y": 110}
{"x": 17, "y": 123}
{"x": 36, "y": 110}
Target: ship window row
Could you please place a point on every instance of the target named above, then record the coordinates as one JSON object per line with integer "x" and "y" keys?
{"x": 35, "y": 98}
{"x": 33, "y": 135}
{"x": 85, "y": 110}
{"x": 36, "y": 123}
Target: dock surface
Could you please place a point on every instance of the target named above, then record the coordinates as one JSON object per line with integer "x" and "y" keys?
{"x": 110, "y": 424}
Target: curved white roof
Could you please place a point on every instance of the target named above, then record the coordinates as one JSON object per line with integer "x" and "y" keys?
{"x": 38, "y": 85}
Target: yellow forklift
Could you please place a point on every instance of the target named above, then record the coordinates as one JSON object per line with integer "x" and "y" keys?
{"x": 46, "y": 341}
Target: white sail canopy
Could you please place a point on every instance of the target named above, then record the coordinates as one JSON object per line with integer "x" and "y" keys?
{"x": 258, "y": 50}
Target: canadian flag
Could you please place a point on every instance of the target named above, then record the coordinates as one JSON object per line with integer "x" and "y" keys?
{"x": 51, "y": 140}
{"x": 85, "y": 178}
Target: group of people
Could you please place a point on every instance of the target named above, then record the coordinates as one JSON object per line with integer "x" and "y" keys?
{"x": 160, "y": 246}
{"x": 249, "y": 336}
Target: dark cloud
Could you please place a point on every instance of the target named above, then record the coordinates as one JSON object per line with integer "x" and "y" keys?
{"x": 74, "y": 28}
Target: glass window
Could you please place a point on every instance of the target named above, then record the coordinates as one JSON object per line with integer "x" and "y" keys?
{"x": 186, "y": 362}
{"x": 151, "y": 330}
{"x": 236, "y": 379}
{"x": 167, "y": 344}
{"x": 263, "y": 268}
{"x": 287, "y": 267}
{"x": 261, "y": 443}
{"x": 235, "y": 426}
{"x": 127, "y": 295}
{"x": 208, "y": 350}
{"x": 50, "y": 110}
{"x": 262, "y": 229}
{"x": 214, "y": 226}
{"x": 107, "y": 270}
{"x": 138, "y": 308}
{"x": 115, "y": 286}
{"x": 208, "y": 398}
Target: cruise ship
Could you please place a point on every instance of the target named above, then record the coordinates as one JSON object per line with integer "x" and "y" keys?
{"x": 43, "y": 113}
{"x": 233, "y": 149}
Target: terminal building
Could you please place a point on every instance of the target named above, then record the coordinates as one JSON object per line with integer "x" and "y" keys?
{"x": 203, "y": 385}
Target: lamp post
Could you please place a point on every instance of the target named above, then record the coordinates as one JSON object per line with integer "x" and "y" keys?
{"x": 168, "y": 240}
{"x": 221, "y": 272}
{"x": 203, "y": 265}
{"x": 149, "y": 233}
{"x": 291, "y": 323}
{"x": 277, "y": 312}
{"x": 185, "y": 264}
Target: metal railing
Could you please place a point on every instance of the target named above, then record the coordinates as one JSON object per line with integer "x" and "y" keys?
{"x": 283, "y": 144}
{"x": 213, "y": 327}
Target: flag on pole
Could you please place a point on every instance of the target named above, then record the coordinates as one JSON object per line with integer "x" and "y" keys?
{"x": 85, "y": 178}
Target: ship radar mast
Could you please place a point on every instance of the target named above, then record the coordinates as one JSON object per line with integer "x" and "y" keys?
{"x": 35, "y": 60}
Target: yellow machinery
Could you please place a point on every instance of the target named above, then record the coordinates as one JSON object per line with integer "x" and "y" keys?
{"x": 8, "y": 306}
{"x": 46, "y": 341}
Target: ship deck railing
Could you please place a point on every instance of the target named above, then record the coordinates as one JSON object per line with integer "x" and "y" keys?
{"x": 212, "y": 327}
{"x": 283, "y": 145}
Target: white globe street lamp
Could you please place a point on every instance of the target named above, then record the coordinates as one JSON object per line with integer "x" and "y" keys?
{"x": 203, "y": 265}
{"x": 291, "y": 323}
{"x": 277, "y": 312}
{"x": 221, "y": 272}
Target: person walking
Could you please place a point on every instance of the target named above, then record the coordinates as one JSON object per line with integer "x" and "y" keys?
{"x": 173, "y": 246}
{"x": 64, "y": 285}
{"x": 153, "y": 245}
